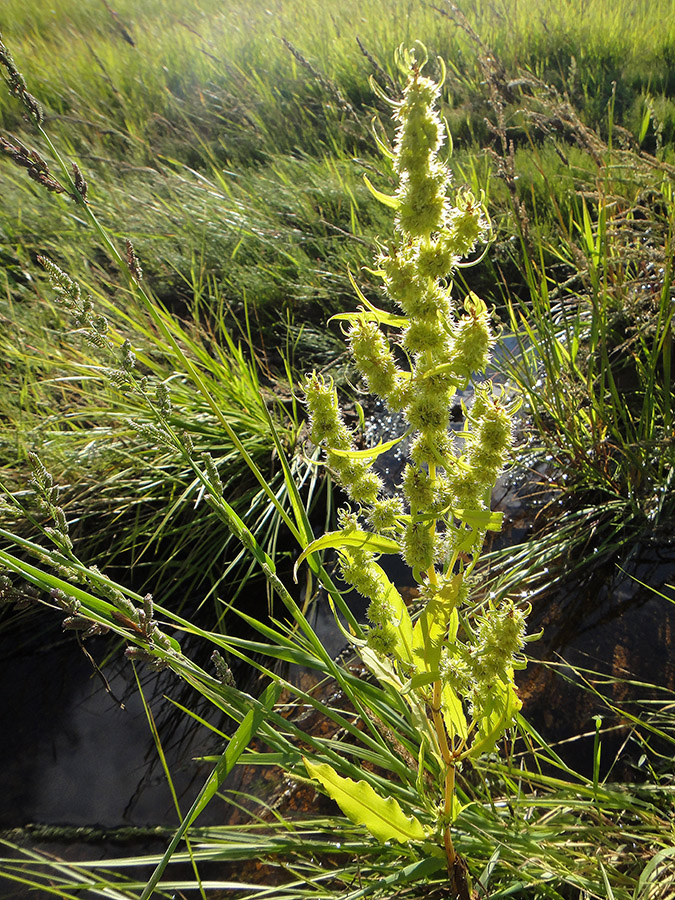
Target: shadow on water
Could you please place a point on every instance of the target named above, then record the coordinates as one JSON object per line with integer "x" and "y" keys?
{"x": 607, "y": 647}
{"x": 71, "y": 755}
{"x": 607, "y": 621}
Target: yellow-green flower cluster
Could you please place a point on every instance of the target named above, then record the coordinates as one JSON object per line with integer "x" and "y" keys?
{"x": 482, "y": 667}
{"x": 328, "y": 429}
{"x": 443, "y": 348}
{"x": 488, "y": 441}
{"x": 359, "y": 569}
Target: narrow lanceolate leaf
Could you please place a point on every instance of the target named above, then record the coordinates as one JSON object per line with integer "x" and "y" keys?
{"x": 370, "y": 452}
{"x": 372, "y": 315}
{"x": 238, "y": 743}
{"x": 369, "y": 311}
{"x": 480, "y": 518}
{"x": 366, "y": 540}
{"x": 382, "y": 816}
{"x": 391, "y": 202}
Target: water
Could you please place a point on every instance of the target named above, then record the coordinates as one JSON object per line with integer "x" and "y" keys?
{"x": 70, "y": 754}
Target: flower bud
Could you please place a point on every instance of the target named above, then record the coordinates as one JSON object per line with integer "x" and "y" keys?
{"x": 466, "y": 225}
{"x": 383, "y": 639}
{"x": 429, "y": 411}
{"x": 373, "y": 357}
{"x": 422, "y": 203}
{"x": 326, "y": 422}
{"x": 455, "y": 669}
{"x": 472, "y": 338}
{"x": 490, "y": 439}
{"x": 435, "y": 259}
{"x": 418, "y": 488}
{"x": 359, "y": 569}
{"x": 465, "y": 487}
{"x": 432, "y": 448}
{"x": 425, "y": 336}
{"x": 418, "y": 546}
{"x": 384, "y": 514}
{"x": 380, "y": 611}
{"x": 500, "y": 636}
{"x": 365, "y": 488}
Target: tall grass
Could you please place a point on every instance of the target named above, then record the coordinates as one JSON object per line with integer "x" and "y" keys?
{"x": 530, "y": 826}
{"x": 223, "y": 71}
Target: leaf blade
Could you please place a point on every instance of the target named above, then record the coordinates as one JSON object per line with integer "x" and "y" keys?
{"x": 382, "y": 816}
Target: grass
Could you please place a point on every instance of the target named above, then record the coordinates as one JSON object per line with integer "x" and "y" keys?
{"x": 594, "y": 328}
{"x": 116, "y": 474}
{"x": 237, "y": 174}
{"x": 226, "y": 72}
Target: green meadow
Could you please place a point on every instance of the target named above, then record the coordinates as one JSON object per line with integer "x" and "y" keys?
{"x": 235, "y": 157}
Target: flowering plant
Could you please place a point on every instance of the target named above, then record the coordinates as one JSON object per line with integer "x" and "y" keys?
{"x": 453, "y": 662}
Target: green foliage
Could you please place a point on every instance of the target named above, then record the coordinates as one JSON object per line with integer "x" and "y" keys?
{"x": 593, "y": 353}
{"x": 525, "y": 824}
{"x": 382, "y": 817}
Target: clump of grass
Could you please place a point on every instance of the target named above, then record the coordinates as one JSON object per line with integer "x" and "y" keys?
{"x": 210, "y": 68}
{"x": 518, "y": 828}
{"x": 593, "y": 326}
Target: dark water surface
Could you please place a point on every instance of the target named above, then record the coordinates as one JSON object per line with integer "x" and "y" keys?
{"x": 70, "y": 755}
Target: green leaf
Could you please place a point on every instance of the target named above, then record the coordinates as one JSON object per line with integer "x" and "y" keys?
{"x": 370, "y": 312}
{"x": 372, "y": 315}
{"x": 480, "y": 518}
{"x": 380, "y": 666}
{"x": 370, "y": 452}
{"x": 366, "y": 540}
{"x": 437, "y": 621}
{"x": 453, "y": 714}
{"x": 417, "y": 872}
{"x": 382, "y": 816}
{"x": 420, "y": 680}
{"x": 401, "y": 621}
{"x": 498, "y": 715}
{"x": 238, "y": 743}
{"x": 391, "y": 202}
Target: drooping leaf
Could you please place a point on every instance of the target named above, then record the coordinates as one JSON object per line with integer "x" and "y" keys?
{"x": 401, "y": 620}
{"x": 382, "y": 816}
{"x": 372, "y": 315}
{"x": 370, "y": 311}
{"x": 369, "y": 452}
{"x": 382, "y": 667}
{"x": 366, "y": 540}
{"x": 391, "y": 202}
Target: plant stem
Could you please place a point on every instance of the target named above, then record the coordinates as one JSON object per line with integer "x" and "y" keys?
{"x": 449, "y": 774}
{"x": 442, "y": 734}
